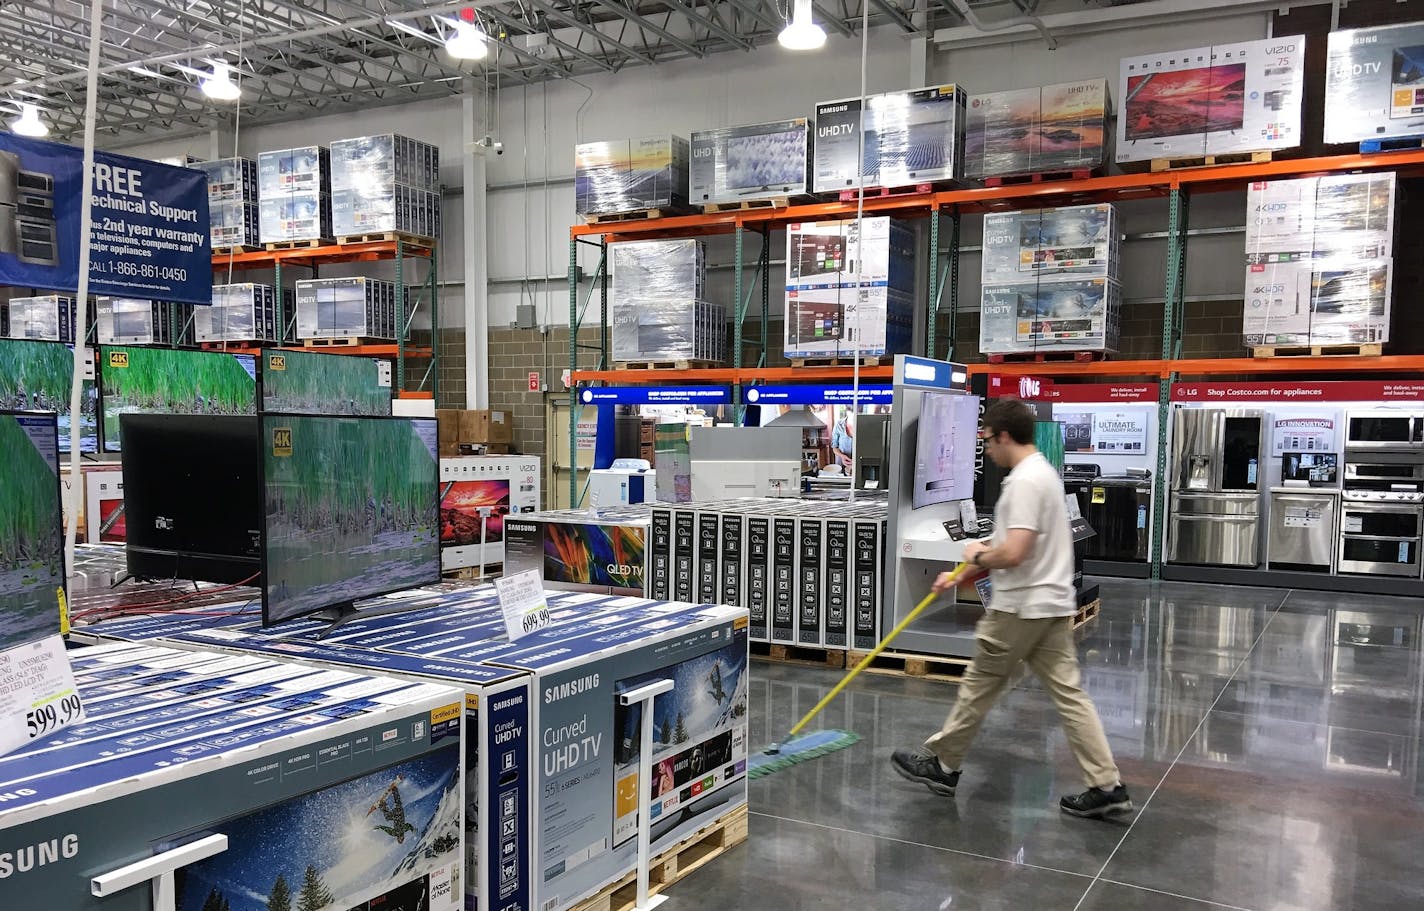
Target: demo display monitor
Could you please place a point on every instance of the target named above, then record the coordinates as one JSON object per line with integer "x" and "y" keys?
{"x": 350, "y": 510}
{"x": 31, "y": 533}
{"x": 310, "y": 382}
{"x": 38, "y": 376}
{"x": 171, "y": 381}
{"x": 192, "y": 497}
{"x": 944, "y": 449}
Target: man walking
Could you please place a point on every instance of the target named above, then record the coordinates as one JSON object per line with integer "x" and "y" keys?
{"x": 1029, "y": 619}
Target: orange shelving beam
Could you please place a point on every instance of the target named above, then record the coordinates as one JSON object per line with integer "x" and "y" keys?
{"x": 310, "y": 256}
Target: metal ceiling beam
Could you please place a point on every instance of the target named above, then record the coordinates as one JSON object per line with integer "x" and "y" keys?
{"x": 589, "y": 29}
{"x": 712, "y": 27}
{"x": 527, "y": 28}
{"x": 644, "y": 23}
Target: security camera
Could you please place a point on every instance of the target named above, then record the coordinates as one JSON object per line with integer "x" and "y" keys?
{"x": 499, "y": 148}
{"x": 488, "y": 144}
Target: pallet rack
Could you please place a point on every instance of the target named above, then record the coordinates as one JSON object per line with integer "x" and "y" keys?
{"x": 424, "y": 384}
{"x": 1176, "y": 186}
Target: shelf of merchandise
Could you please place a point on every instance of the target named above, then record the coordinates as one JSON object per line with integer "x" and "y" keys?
{"x": 1175, "y": 186}
{"x": 425, "y": 383}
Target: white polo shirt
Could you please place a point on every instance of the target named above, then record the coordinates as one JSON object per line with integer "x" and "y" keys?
{"x": 1042, "y": 585}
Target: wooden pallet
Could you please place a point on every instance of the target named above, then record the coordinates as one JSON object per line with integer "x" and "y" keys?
{"x": 1010, "y": 180}
{"x": 234, "y": 251}
{"x": 1394, "y": 144}
{"x": 835, "y": 361}
{"x": 690, "y": 364}
{"x": 1049, "y": 357}
{"x": 1317, "y": 350}
{"x": 472, "y": 573}
{"x": 1087, "y": 612}
{"x": 681, "y": 860}
{"x": 906, "y": 664}
{"x": 886, "y": 192}
{"x": 351, "y": 342}
{"x": 375, "y": 237}
{"x": 746, "y": 205}
{"x": 790, "y": 653}
{"x": 1209, "y": 161}
{"x": 297, "y": 244}
{"x": 603, "y": 218}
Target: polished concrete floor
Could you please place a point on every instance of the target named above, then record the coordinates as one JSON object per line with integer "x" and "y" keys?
{"x": 1270, "y": 741}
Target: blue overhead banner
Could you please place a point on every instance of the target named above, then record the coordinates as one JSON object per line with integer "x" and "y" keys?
{"x": 817, "y": 394}
{"x": 150, "y": 233}
{"x": 656, "y": 395}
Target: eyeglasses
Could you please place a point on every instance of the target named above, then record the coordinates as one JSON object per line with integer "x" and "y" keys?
{"x": 987, "y": 435}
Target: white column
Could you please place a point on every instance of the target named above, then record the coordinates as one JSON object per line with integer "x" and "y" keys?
{"x": 476, "y": 251}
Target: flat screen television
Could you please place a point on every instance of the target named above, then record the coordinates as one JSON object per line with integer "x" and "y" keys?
{"x": 350, "y": 511}
{"x": 134, "y": 379}
{"x": 1205, "y": 99}
{"x": 31, "y": 531}
{"x": 461, "y": 524}
{"x": 945, "y": 443}
{"x": 192, "y": 497}
{"x": 38, "y": 376}
{"x": 311, "y": 382}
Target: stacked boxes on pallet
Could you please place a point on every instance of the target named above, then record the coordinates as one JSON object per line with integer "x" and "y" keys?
{"x": 1050, "y": 281}
{"x": 1319, "y": 260}
{"x": 761, "y": 161}
{"x": 658, "y": 310}
{"x": 295, "y": 192}
{"x": 911, "y": 137}
{"x": 126, "y": 321}
{"x": 1038, "y": 130}
{"x": 552, "y": 756}
{"x": 809, "y": 573}
{"x": 239, "y": 313}
{"x": 849, "y": 296}
{"x": 51, "y": 317}
{"x": 357, "y": 307}
{"x": 232, "y": 201}
{"x": 385, "y": 184}
{"x": 627, "y": 175}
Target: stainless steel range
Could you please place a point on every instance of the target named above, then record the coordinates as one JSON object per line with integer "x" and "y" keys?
{"x": 1382, "y": 508}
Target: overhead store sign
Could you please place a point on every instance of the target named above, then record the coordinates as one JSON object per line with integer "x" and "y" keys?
{"x": 1103, "y": 392}
{"x": 1327, "y": 391}
{"x": 656, "y": 395}
{"x": 818, "y": 394}
{"x": 149, "y": 238}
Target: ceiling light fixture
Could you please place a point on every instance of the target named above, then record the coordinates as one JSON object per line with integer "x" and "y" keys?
{"x": 802, "y": 33}
{"x": 466, "y": 41}
{"x": 219, "y": 86}
{"x": 29, "y": 123}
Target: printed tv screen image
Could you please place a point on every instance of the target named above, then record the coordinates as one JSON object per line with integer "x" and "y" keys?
{"x": 945, "y": 447}
{"x": 595, "y": 557}
{"x": 698, "y": 736}
{"x": 350, "y": 510}
{"x": 307, "y": 382}
{"x": 766, "y": 161}
{"x": 172, "y": 381}
{"x": 460, "y": 504}
{"x": 1407, "y": 82}
{"x": 31, "y": 533}
{"x": 383, "y": 839}
{"x": 1208, "y": 99}
{"x": 38, "y": 376}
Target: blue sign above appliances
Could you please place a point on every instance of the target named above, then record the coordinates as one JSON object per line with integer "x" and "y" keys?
{"x": 149, "y": 237}
{"x": 656, "y": 395}
{"x": 817, "y": 394}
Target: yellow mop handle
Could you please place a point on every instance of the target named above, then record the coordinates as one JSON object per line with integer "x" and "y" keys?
{"x": 884, "y": 643}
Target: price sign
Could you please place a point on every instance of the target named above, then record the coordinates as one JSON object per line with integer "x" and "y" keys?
{"x": 521, "y": 598}
{"x": 37, "y": 693}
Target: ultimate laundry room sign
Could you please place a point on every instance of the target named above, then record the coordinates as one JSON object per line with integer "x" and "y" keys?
{"x": 149, "y": 237}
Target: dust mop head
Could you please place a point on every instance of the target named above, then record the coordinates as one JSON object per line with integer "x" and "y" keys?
{"x": 799, "y": 749}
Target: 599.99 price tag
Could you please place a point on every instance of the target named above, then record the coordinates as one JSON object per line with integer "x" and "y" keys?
{"x": 37, "y": 693}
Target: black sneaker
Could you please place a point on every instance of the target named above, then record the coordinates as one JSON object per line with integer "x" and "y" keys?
{"x": 925, "y": 768}
{"x": 1097, "y": 803}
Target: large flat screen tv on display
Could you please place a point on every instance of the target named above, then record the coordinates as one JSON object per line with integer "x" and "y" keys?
{"x": 31, "y": 531}
{"x": 192, "y": 497}
{"x": 141, "y": 380}
{"x": 945, "y": 442}
{"x": 310, "y": 382}
{"x": 38, "y": 376}
{"x": 350, "y": 511}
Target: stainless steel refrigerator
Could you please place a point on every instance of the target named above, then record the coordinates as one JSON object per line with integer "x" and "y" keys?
{"x": 1217, "y": 474}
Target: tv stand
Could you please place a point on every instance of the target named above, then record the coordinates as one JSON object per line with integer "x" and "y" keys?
{"x": 346, "y": 611}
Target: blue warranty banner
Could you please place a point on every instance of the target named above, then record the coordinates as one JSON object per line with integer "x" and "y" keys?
{"x": 150, "y": 234}
{"x": 818, "y": 394}
{"x": 656, "y": 395}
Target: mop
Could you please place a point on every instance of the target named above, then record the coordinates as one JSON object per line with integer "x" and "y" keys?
{"x": 795, "y": 749}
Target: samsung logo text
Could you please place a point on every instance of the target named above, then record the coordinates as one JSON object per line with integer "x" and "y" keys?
{"x": 31, "y": 857}
{"x": 572, "y": 688}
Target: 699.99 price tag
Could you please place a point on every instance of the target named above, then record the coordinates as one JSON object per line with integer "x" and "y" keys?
{"x": 37, "y": 693}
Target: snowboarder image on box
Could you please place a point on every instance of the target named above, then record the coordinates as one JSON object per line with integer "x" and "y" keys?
{"x": 393, "y": 810}
{"x": 715, "y": 678}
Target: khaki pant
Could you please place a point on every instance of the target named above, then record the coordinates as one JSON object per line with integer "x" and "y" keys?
{"x": 1002, "y": 640}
